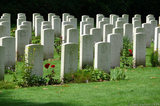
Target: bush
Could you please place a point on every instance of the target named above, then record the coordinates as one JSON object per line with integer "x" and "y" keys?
{"x": 30, "y": 80}
{"x": 57, "y": 44}
{"x": 154, "y": 59}
{"x": 125, "y": 53}
{"x": 85, "y": 75}
{"x": 36, "y": 40}
{"x": 118, "y": 74}
{"x": 7, "y": 85}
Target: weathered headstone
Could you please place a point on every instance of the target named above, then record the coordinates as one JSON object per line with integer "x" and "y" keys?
{"x": 114, "y": 41}
{"x": 38, "y": 20}
{"x": 84, "y": 17}
{"x": 64, "y": 16}
{"x": 96, "y": 33}
{"x": 128, "y": 31}
{"x": 33, "y": 19}
{"x": 21, "y": 36}
{"x": 72, "y": 35}
{"x": 50, "y": 16}
{"x": 10, "y": 54}
{"x": 28, "y": 23}
{"x": 87, "y": 28}
{"x": 98, "y": 18}
{"x": 47, "y": 40}
{"x": 107, "y": 29}
{"x": 34, "y": 58}
{"x": 2, "y": 62}
{"x": 120, "y": 32}
{"x": 125, "y": 17}
{"x": 56, "y": 26}
{"x": 148, "y": 33}
{"x": 69, "y": 59}
{"x": 102, "y": 57}
{"x": 157, "y": 32}
{"x": 139, "y": 50}
{"x": 64, "y": 32}
{"x": 86, "y": 51}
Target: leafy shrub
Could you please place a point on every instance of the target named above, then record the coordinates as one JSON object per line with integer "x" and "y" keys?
{"x": 31, "y": 80}
{"x": 118, "y": 74}
{"x": 154, "y": 59}
{"x": 51, "y": 76}
{"x": 35, "y": 40}
{"x": 7, "y": 85}
{"x": 57, "y": 44}
{"x": 125, "y": 53}
{"x": 85, "y": 75}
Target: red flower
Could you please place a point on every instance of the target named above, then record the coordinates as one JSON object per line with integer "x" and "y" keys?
{"x": 47, "y": 65}
{"x": 130, "y": 52}
{"x": 52, "y": 66}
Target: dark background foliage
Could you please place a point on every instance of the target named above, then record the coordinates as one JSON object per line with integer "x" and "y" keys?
{"x": 80, "y": 7}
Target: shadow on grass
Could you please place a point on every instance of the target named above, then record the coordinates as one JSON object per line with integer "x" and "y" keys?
{"x": 6, "y": 100}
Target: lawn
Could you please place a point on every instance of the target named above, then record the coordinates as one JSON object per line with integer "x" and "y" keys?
{"x": 141, "y": 88}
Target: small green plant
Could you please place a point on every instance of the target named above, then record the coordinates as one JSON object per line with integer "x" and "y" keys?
{"x": 154, "y": 59}
{"x": 7, "y": 85}
{"x": 126, "y": 61}
{"x": 118, "y": 74}
{"x": 31, "y": 80}
{"x": 35, "y": 40}
{"x": 51, "y": 76}
{"x": 85, "y": 75}
{"x": 57, "y": 44}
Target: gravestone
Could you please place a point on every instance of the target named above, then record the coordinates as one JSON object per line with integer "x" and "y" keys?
{"x": 21, "y": 36}
{"x": 107, "y": 29}
{"x": 90, "y": 20}
{"x": 47, "y": 40}
{"x": 120, "y": 32}
{"x": 56, "y": 26}
{"x": 114, "y": 41}
{"x": 128, "y": 31}
{"x": 148, "y": 33}
{"x": 50, "y": 16}
{"x": 72, "y": 35}
{"x": 28, "y": 23}
{"x": 102, "y": 57}
{"x": 10, "y": 54}
{"x": 64, "y": 16}
{"x": 86, "y": 51}
{"x": 126, "y": 18}
{"x": 86, "y": 30}
{"x": 69, "y": 59}
{"x": 64, "y": 32}
{"x": 96, "y": 33}
{"x": 73, "y": 22}
{"x": 2, "y": 62}
{"x": 157, "y": 32}
{"x": 34, "y": 58}
{"x": 120, "y": 23}
{"x": 139, "y": 50}
{"x": 82, "y": 23}
{"x": 98, "y": 18}
{"x": 6, "y": 28}
{"x": 38, "y": 20}
{"x": 84, "y": 17}
{"x": 33, "y": 19}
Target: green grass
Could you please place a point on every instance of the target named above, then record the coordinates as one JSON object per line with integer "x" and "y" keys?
{"x": 141, "y": 87}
